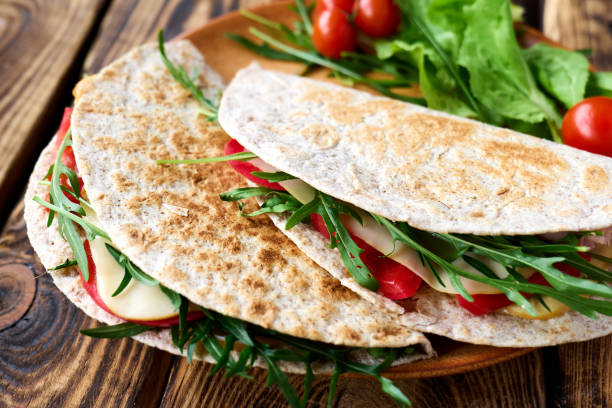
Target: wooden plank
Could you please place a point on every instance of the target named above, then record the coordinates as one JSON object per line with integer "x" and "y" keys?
{"x": 580, "y": 24}
{"x": 62, "y": 367}
{"x": 518, "y": 382}
{"x": 45, "y": 361}
{"x": 40, "y": 47}
{"x": 134, "y": 22}
{"x": 580, "y": 375}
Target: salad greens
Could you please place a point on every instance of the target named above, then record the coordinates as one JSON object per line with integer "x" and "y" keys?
{"x": 465, "y": 57}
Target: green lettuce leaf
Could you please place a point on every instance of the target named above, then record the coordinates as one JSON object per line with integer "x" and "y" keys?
{"x": 499, "y": 76}
{"x": 562, "y": 73}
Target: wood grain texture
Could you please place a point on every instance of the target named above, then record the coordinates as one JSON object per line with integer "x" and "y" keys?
{"x": 43, "y": 359}
{"x": 17, "y": 290}
{"x": 40, "y": 45}
{"x": 133, "y": 22}
{"x": 46, "y": 362}
{"x": 582, "y": 24}
{"x": 519, "y": 382}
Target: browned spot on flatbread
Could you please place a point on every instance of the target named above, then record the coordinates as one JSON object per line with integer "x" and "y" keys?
{"x": 320, "y": 135}
{"x": 594, "y": 178}
{"x": 348, "y": 333}
{"x": 264, "y": 311}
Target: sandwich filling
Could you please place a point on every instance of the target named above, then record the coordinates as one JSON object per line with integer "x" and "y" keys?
{"x": 398, "y": 269}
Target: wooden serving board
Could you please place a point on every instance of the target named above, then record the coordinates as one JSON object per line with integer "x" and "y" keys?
{"x": 43, "y": 359}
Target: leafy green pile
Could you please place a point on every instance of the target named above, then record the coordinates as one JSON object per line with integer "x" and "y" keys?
{"x": 465, "y": 56}
{"x": 254, "y": 340}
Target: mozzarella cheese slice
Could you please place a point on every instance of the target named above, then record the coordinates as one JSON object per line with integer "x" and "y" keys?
{"x": 137, "y": 301}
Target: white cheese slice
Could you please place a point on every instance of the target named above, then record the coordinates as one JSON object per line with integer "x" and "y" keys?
{"x": 137, "y": 301}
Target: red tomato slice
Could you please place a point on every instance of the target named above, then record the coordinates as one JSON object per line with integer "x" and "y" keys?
{"x": 484, "y": 304}
{"x": 68, "y": 156}
{"x": 395, "y": 280}
{"x": 245, "y": 168}
{"x": 92, "y": 289}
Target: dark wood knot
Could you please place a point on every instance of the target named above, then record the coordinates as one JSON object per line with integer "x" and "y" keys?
{"x": 17, "y": 290}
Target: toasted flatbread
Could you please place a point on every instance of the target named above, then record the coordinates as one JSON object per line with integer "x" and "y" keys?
{"x": 53, "y": 250}
{"x": 318, "y": 132}
{"x": 169, "y": 219}
{"x": 435, "y": 171}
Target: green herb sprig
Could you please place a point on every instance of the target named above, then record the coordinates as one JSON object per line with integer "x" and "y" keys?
{"x": 353, "y": 68}
{"x": 66, "y": 264}
{"x": 206, "y": 332}
{"x": 132, "y": 271}
{"x": 241, "y": 156}
{"x": 209, "y": 109}
{"x": 69, "y": 212}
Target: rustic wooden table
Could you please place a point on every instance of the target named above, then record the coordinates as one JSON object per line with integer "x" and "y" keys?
{"x": 45, "y": 46}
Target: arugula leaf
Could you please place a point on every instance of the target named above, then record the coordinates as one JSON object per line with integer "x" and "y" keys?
{"x": 127, "y": 277}
{"x": 241, "y": 156}
{"x": 129, "y": 267}
{"x": 491, "y": 55}
{"x": 180, "y": 75}
{"x": 440, "y": 89}
{"x": 428, "y": 34}
{"x": 67, "y": 263}
{"x": 561, "y": 73}
{"x": 117, "y": 331}
{"x": 263, "y": 49}
{"x": 273, "y": 177}
{"x": 174, "y": 297}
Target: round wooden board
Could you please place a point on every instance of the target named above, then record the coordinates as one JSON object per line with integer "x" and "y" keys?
{"x": 227, "y": 57}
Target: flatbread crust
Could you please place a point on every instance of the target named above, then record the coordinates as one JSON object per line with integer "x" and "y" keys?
{"x": 170, "y": 221}
{"x": 268, "y": 113}
{"x": 435, "y": 171}
{"x": 53, "y": 250}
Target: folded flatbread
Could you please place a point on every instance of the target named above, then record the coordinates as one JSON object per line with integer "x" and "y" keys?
{"x": 170, "y": 222}
{"x": 434, "y": 171}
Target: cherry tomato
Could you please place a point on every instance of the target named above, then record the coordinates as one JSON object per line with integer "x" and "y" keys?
{"x": 377, "y": 18}
{"x": 245, "y": 168}
{"x": 588, "y": 125}
{"x": 395, "y": 280}
{"x": 484, "y": 304}
{"x": 332, "y": 33}
{"x": 344, "y": 5}
{"x": 91, "y": 288}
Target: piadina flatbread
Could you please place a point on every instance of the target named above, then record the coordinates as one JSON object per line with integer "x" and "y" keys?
{"x": 170, "y": 222}
{"x": 434, "y": 171}
{"x": 407, "y": 163}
